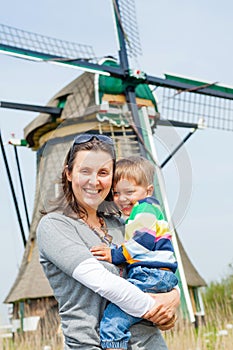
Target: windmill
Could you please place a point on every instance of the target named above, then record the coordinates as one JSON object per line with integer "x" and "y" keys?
{"x": 132, "y": 78}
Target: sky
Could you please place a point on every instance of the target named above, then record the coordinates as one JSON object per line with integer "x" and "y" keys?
{"x": 191, "y": 38}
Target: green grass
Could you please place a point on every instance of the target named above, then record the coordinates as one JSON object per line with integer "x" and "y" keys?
{"x": 217, "y": 332}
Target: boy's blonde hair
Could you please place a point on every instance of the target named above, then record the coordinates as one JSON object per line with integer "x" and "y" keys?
{"x": 136, "y": 168}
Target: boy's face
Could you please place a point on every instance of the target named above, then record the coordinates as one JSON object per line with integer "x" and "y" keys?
{"x": 127, "y": 193}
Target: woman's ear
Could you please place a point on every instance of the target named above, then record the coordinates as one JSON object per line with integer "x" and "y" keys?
{"x": 68, "y": 174}
{"x": 150, "y": 190}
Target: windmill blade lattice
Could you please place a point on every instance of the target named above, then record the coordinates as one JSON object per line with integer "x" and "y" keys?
{"x": 189, "y": 107}
{"x": 128, "y": 21}
{"x": 16, "y": 40}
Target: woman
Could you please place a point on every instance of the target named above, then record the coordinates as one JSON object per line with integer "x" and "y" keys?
{"x": 82, "y": 285}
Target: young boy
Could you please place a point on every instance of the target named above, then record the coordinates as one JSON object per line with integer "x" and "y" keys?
{"x": 147, "y": 249}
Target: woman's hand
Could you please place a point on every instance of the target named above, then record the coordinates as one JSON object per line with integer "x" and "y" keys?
{"x": 164, "y": 309}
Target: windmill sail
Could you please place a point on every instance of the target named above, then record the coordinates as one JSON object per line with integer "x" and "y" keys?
{"x": 191, "y": 105}
{"x": 36, "y": 47}
{"x": 22, "y": 43}
{"x": 125, "y": 18}
{"x": 182, "y": 100}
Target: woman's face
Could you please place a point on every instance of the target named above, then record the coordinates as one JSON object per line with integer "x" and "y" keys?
{"x": 91, "y": 177}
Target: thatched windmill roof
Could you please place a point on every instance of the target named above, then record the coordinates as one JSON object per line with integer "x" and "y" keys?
{"x": 77, "y": 100}
{"x": 193, "y": 277}
{"x": 52, "y": 137}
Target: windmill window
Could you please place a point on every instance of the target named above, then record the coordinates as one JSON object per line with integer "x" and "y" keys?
{"x": 62, "y": 101}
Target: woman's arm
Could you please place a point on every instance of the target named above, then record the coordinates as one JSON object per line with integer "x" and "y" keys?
{"x": 60, "y": 244}
{"x": 119, "y": 291}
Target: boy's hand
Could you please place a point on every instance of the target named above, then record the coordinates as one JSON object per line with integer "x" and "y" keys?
{"x": 102, "y": 252}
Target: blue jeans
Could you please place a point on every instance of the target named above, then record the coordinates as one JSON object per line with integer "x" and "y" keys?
{"x": 115, "y": 324}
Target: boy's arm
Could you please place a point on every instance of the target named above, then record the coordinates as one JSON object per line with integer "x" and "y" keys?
{"x": 102, "y": 252}
{"x": 144, "y": 229}
{"x": 112, "y": 255}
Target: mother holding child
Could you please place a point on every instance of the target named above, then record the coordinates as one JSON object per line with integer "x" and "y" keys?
{"x": 84, "y": 255}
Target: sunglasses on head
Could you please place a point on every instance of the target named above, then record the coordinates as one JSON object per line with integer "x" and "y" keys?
{"x": 83, "y": 138}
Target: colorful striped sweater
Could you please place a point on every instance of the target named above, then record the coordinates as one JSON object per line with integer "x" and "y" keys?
{"x": 147, "y": 238}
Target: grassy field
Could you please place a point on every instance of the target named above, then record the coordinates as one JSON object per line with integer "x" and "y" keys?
{"x": 211, "y": 337}
{"x": 216, "y": 333}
